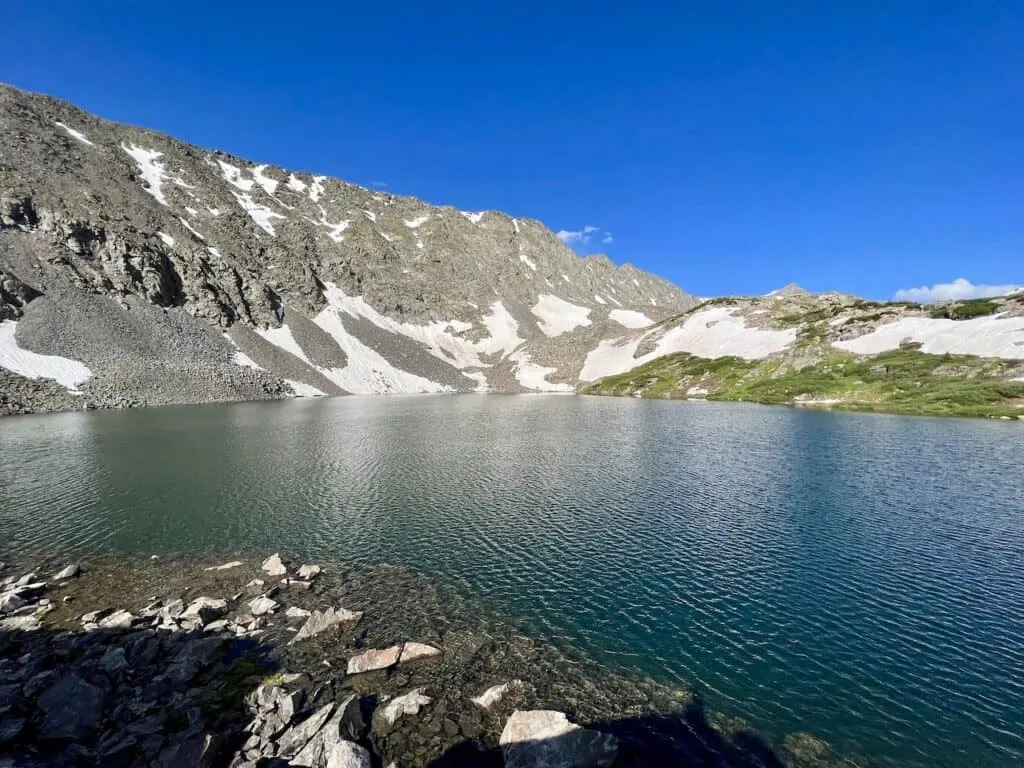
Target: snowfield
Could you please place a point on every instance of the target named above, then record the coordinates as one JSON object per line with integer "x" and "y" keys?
{"x": 630, "y": 319}
{"x": 711, "y": 333}
{"x": 556, "y": 316}
{"x": 70, "y": 374}
{"x": 989, "y": 336}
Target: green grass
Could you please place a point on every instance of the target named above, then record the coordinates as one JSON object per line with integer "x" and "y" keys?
{"x": 900, "y": 381}
{"x": 964, "y": 310}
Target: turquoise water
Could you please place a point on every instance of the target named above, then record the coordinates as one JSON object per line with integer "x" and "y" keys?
{"x": 858, "y": 577}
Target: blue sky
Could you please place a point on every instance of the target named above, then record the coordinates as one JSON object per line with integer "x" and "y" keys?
{"x": 729, "y": 146}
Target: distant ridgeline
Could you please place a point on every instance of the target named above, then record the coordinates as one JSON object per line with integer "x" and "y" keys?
{"x": 960, "y": 358}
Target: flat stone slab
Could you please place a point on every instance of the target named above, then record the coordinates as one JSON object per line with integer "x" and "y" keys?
{"x": 544, "y": 738}
{"x": 414, "y": 651}
{"x": 495, "y": 693}
{"x": 273, "y": 566}
{"x": 323, "y": 620}
{"x": 262, "y": 606}
{"x": 225, "y": 566}
{"x": 370, "y": 661}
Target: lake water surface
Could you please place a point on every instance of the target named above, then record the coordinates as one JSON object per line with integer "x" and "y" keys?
{"x": 858, "y": 577}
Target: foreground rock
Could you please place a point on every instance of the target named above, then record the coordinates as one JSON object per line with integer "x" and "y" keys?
{"x": 546, "y": 739}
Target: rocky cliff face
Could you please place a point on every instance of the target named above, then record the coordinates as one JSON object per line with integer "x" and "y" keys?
{"x": 136, "y": 269}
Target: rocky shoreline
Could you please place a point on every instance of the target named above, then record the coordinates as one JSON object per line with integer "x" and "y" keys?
{"x": 168, "y": 662}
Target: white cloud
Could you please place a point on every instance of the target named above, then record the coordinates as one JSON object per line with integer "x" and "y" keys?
{"x": 582, "y": 236}
{"x": 958, "y": 289}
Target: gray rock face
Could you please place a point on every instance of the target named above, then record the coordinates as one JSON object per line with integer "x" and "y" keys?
{"x": 177, "y": 274}
{"x": 546, "y": 739}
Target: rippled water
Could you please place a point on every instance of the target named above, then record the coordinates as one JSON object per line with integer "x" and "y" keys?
{"x": 859, "y": 577}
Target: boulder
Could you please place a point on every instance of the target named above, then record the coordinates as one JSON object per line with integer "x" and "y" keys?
{"x": 69, "y": 572}
{"x": 495, "y": 693}
{"x": 11, "y": 601}
{"x": 296, "y": 738}
{"x": 23, "y": 623}
{"x": 118, "y": 620}
{"x": 273, "y": 566}
{"x": 309, "y": 572}
{"x": 345, "y": 754}
{"x": 72, "y": 709}
{"x": 322, "y": 620}
{"x": 205, "y": 609}
{"x": 406, "y": 704}
{"x": 262, "y": 605}
{"x": 294, "y": 612}
{"x": 546, "y": 739}
{"x": 414, "y": 651}
{"x": 373, "y": 660}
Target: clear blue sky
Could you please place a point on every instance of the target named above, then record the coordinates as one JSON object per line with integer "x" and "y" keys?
{"x": 728, "y": 146}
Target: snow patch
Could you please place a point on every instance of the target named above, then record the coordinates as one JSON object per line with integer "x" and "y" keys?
{"x": 417, "y": 222}
{"x": 261, "y": 214}
{"x": 636, "y": 282}
{"x": 269, "y": 185}
{"x": 503, "y": 330}
{"x": 599, "y": 300}
{"x": 316, "y": 189}
{"x": 168, "y": 240}
{"x": 153, "y": 172}
{"x": 533, "y": 376}
{"x": 526, "y": 260}
{"x": 296, "y": 184}
{"x": 233, "y": 175}
{"x": 335, "y": 230}
{"x": 70, "y": 374}
{"x": 989, "y": 336}
{"x": 629, "y": 318}
{"x": 515, "y": 225}
{"x": 240, "y": 358}
{"x": 557, "y": 316}
{"x": 566, "y": 278}
{"x": 370, "y": 215}
{"x": 283, "y": 339}
{"x": 473, "y": 217}
{"x": 366, "y": 372}
{"x": 302, "y": 389}
{"x": 480, "y": 378}
{"x": 711, "y": 333}
{"x": 192, "y": 229}
{"x": 73, "y": 133}
{"x": 191, "y": 211}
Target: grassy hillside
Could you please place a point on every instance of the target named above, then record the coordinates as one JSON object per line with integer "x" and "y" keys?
{"x": 901, "y": 381}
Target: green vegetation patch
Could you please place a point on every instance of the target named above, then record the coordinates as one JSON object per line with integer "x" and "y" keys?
{"x": 900, "y": 381}
{"x": 965, "y": 310}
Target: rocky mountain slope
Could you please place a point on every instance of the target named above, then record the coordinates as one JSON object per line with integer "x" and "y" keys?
{"x": 834, "y": 350}
{"x": 136, "y": 269}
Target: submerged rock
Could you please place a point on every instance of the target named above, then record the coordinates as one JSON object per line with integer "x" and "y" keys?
{"x": 407, "y": 704}
{"x": 309, "y": 572}
{"x": 414, "y": 651}
{"x": 546, "y": 739}
{"x": 225, "y": 566}
{"x": 495, "y": 693}
{"x": 68, "y": 572}
{"x": 323, "y": 620}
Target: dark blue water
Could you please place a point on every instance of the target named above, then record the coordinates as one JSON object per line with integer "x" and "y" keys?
{"x": 858, "y": 577}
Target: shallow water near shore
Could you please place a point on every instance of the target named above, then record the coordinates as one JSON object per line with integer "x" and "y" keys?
{"x": 853, "y": 576}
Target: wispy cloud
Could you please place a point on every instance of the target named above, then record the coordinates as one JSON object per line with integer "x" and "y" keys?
{"x": 960, "y": 288}
{"x": 582, "y": 236}
{"x": 379, "y": 184}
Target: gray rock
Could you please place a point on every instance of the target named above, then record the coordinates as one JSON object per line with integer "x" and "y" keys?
{"x": 114, "y": 661}
{"x": 407, "y": 704}
{"x": 11, "y": 601}
{"x": 22, "y": 623}
{"x": 205, "y": 609}
{"x": 372, "y": 660}
{"x": 546, "y": 739}
{"x": 118, "y": 620}
{"x": 320, "y": 621}
{"x": 202, "y": 751}
{"x": 309, "y": 572}
{"x": 294, "y": 612}
{"x": 273, "y": 566}
{"x": 262, "y": 606}
{"x": 225, "y": 566}
{"x": 345, "y": 754}
{"x": 416, "y": 651}
{"x": 297, "y": 737}
{"x": 495, "y": 693}
{"x": 25, "y": 580}
{"x": 73, "y": 708}
{"x": 68, "y": 572}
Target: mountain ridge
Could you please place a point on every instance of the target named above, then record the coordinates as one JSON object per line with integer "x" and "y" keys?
{"x": 179, "y": 274}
